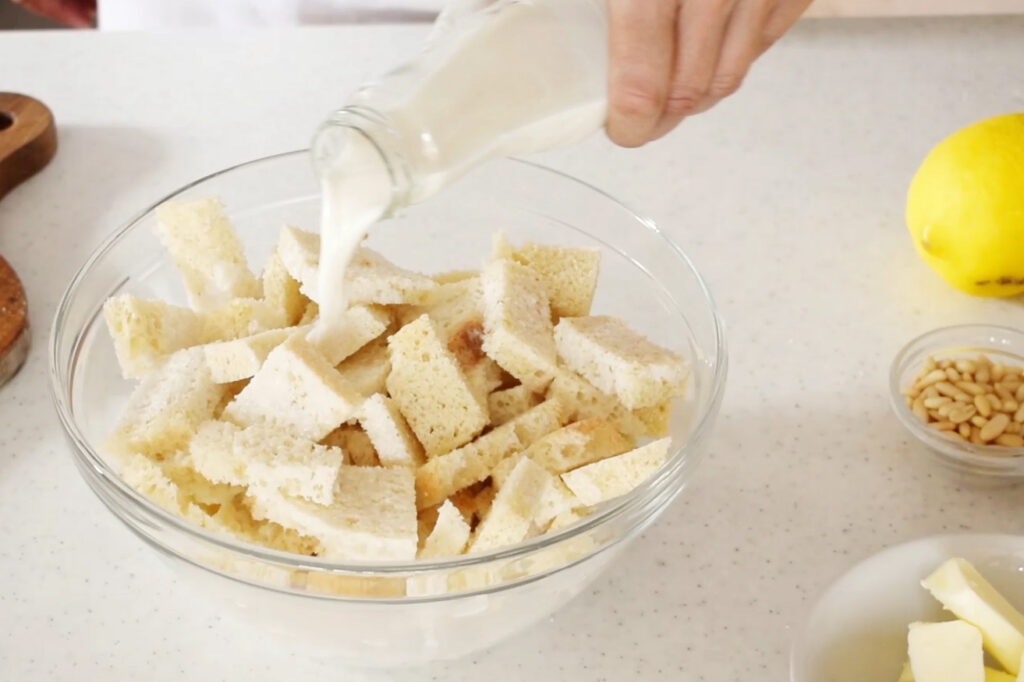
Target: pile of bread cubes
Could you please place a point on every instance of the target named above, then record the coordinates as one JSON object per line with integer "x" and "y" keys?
{"x": 456, "y": 413}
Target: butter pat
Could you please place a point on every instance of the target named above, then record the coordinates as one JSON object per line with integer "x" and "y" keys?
{"x": 946, "y": 652}
{"x": 962, "y": 590}
{"x": 991, "y": 675}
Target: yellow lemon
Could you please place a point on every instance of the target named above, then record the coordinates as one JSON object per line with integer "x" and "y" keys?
{"x": 965, "y": 207}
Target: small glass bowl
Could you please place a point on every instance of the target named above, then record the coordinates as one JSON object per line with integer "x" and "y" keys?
{"x": 1001, "y": 344}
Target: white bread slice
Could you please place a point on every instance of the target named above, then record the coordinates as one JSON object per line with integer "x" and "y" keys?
{"x": 241, "y": 358}
{"x": 206, "y": 251}
{"x": 517, "y": 322}
{"x": 431, "y": 391}
{"x": 296, "y": 466}
{"x": 238, "y": 318}
{"x": 167, "y": 406}
{"x": 391, "y": 436}
{"x": 367, "y": 370}
{"x": 373, "y": 516}
{"x": 146, "y": 332}
{"x": 297, "y": 389}
{"x": 213, "y": 455}
{"x": 608, "y": 478}
{"x": 300, "y": 254}
{"x": 355, "y": 443}
{"x": 445, "y": 474}
{"x": 512, "y": 517}
{"x": 449, "y": 536}
{"x": 569, "y": 275}
{"x": 371, "y": 278}
{"x": 359, "y": 325}
{"x": 281, "y": 291}
{"x": 577, "y": 444}
{"x": 619, "y": 361}
{"x": 510, "y": 403}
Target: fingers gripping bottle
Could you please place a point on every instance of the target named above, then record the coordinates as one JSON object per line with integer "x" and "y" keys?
{"x": 496, "y": 78}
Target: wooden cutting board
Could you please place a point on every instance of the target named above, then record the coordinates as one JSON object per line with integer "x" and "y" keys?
{"x": 28, "y": 140}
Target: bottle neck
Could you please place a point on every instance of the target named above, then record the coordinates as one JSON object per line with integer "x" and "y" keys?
{"x": 355, "y": 131}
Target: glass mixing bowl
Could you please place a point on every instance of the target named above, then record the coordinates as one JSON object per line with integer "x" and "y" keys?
{"x": 391, "y": 614}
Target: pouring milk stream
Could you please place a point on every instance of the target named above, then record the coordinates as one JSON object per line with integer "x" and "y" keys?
{"x": 496, "y": 78}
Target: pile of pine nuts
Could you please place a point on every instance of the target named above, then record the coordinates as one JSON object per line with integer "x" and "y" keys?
{"x": 977, "y": 400}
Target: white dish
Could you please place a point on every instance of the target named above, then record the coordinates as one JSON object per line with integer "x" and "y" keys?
{"x": 857, "y": 630}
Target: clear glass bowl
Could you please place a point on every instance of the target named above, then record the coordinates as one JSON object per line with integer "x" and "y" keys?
{"x": 381, "y": 615}
{"x": 982, "y": 463}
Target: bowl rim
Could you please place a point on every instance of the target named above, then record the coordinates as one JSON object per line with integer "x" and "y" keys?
{"x": 1010, "y": 461}
{"x": 798, "y": 646}
{"x": 635, "y": 501}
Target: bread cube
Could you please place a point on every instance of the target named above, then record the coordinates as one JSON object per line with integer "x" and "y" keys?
{"x": 517, "y": 322}
{"x": 296, "y": 466}
{"x": 359, "y": 325}
{"x": 569, "y": 275}
{"x": 367, "y": 370}
{"x": 239, "y": 359}
{"x": 512, "y": 517}
{"x": 282, "y": 292}
{"x": 371, "y": 278}
{"x": 213, "y": 455}
{"x": 619, "y": 361}
{"x": 355, "y": 443}
{"x": 431, "y": 391}
{"x": 510, "y": 403}
{"x": 372, "y": 517}
{"x": 238, "y": 318}
{"x": 148, "y": 478}
{"x": 299, "y": 252}
{"x": 391, "y": 436}
{"x": 206, "y": 251}
{"x": 449, "y": 536}
{"x": 614, "y": 476}
{"x": 167, "y": 406}
{"x": 297, "y": 389}
{"x": 577, "y": 444}
{"x": 146, "y": 332}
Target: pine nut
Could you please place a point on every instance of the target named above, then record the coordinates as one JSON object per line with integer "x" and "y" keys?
{"x": 1003, "y": 392}
{"x": 976, "y": 436}
{"x": 945, "y": 410}
{"x": 930, "y": 392}
{"x": 964, "y": 429}
{"x": 929, "y": 364}
{"x": 960, "y": 414}
{"x": 978, "y": 420}
{"x": 933, "y": 403}
{"x": 1010, "y": 406}
{"x": 983, "y": 375}
{"x": 932, "y": 377}
{"x": 1018, "y": 416}
{"x": 945, "y": 364}
{"x": 943, "y": 426}
{"x": 995, "y": 402}
{"x": 1010, "y": 440}
{"x": 1019, "y": 395}
{"x": 983, "y": 405}
{"x": 1014, "y": 427}
{"x": 998, "y": 372}
{"x": 919, "y": 410}
{"x": 964, "y": 366}
{"x": 995, "y": 427}
{"x": 970, "y": 387}
{"x": 953, "y": 375}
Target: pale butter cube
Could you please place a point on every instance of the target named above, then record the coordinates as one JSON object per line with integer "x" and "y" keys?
{"x": 373, "y": 516}
{"x": 206, "y": 251}
{"x": 962, "y": 590}
{"x": 946, "y": 652}
{"x": 242, "y": 358}
{"x": 609, "y": 478}
{"x": 146, "y": 332}
{"x": 619, "y": 361}
{"x": 449, "y": 535}
{"x": 297, "y": 388}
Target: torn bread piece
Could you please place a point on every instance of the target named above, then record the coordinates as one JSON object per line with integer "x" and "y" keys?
{"x": 618, "y": 361}
{"x": 148, "y": 478}
{"x": 360, "y": 325}
{"x": 445, "y": 474}
{"x": 282, "y": 292}
{"x": 297, "y": 389}
{"x": 431, "y": 391}
{"x": 473, "y": 501}
{"x": 294, "y": 465}
{"x": 367, "y": 370}
{"x": 242, "y": 358}
{"x": 238, "y": 318}
{"x": 554, "y": 500}
{"x": 569, "y": 275}
{"x": 146, "y": 332}
{"x": 587, "y": 402}
{"x": 355, "y": 443}
{"x": 391, "y": 436}
{"x": 206, "y": 251}
{"x": 577, "y": 444}
{"x": 213, "y": 455}
{"x": 167, "y": 406}
{"x": 614, "y": 476}
{"x": 373, "y": 516}
{"x": 195, "y": 487}
{"x": 509, "y": 403}
{"x": 299, "y": 252}
{"x": 517, "y": 322}
{"x": 512, "y": 517}
{"x": 449, "y": 536}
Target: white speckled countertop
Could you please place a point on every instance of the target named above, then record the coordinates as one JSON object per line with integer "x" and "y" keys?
{"x": 789, "y": 197}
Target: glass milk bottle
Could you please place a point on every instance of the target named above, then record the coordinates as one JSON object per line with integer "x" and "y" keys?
{"x": 496, "y": 78}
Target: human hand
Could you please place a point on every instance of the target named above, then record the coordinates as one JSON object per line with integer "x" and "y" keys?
{"x": 669, "y": 59}
{"x": 74, "y": 13}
